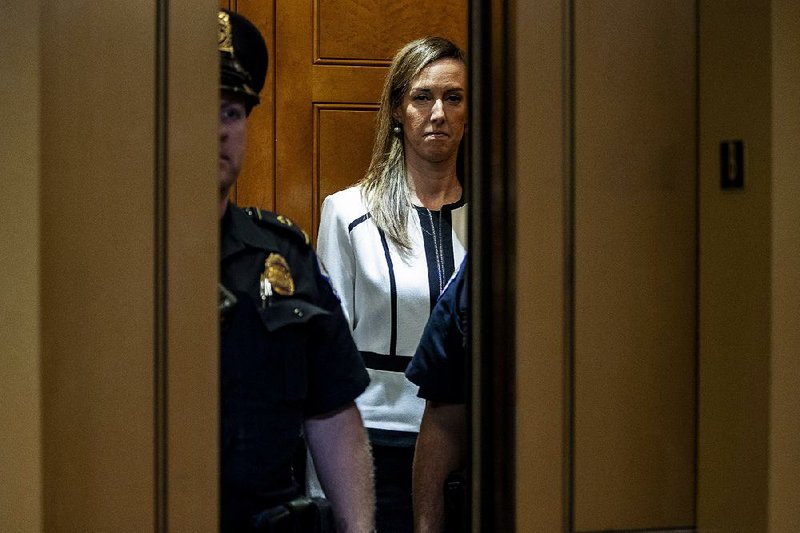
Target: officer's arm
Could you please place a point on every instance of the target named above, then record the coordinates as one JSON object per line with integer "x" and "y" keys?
{"x": 340, "y": 449}
{"x": 441, "y": 449}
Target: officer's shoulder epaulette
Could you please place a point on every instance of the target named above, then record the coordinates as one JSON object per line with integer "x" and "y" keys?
{"x": 275, "y": 221}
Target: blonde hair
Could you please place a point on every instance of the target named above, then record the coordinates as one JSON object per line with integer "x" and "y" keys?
{"x": 385, "y": 186}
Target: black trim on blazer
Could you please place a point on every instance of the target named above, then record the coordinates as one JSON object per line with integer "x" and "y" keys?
{"x": 448, "y": 261}
{"x": 377, "y": 361}
{"x": 428, "y": 228}
{"x": 356, "y": 222}
{"x": 393, "y": 290}
{"x": 444, "y": 230}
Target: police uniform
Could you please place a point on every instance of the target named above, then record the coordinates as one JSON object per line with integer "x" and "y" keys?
{"x": 287, "y": 355}
{"x": 438, "y": 365}
{"x": 286, "y": 349}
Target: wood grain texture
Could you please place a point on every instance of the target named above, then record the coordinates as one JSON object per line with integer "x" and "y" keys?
{"x": 256, "y": 183}
{"x": 343, "y": 136}
{"x": 355, "y": 31}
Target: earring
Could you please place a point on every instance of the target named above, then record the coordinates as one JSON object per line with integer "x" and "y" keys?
{"x": 397, "y": 129}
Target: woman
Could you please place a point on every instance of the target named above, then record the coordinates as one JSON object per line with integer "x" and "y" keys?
{"x": 390, "y": 244}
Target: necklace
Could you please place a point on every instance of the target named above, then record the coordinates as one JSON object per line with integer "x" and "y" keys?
{"x": 437, "y": 246}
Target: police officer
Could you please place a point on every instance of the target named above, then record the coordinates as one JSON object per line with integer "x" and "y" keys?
{"x": 438, "y": 367}
{"x": 288, "y": 363}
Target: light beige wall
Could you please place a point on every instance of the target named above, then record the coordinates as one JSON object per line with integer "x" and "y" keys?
{"x": 192, "y": 263}
{"x": 635, "y": 257}
{"x": 98, "y": 94}
{"x": 20, "y": 396}
{"x": 100, "y": 295}
{"x": 784, "y": 462}
{"x": 635, "y": 250}
{"x": 540, "y": 166}
{"x": 735, "y": 268}
{"x": 748, "y": 447}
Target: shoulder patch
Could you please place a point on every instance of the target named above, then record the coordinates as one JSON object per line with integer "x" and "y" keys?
{"x": 273, "y": 220}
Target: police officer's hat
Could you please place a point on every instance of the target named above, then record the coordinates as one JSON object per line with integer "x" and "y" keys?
{"x": 243, "y": 57}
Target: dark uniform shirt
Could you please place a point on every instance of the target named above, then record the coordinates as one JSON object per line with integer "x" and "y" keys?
{"x": 438, "y": 364}
{"x": 284, "y": 358}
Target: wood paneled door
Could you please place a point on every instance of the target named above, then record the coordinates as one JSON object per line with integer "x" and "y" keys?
{"x": 313, "y": 133}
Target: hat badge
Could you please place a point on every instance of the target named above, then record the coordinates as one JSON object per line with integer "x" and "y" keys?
{"x": 225, "y": 43}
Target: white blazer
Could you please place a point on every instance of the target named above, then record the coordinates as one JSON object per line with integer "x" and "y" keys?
{"x": 387, "y": 295}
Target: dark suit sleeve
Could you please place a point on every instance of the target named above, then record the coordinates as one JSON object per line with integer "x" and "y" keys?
{"x": 438, "y": 364}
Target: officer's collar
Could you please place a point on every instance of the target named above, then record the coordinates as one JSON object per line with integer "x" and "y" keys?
{"x": 239, "y": 231}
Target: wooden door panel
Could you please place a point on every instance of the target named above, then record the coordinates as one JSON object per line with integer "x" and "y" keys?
{"x": 368, "y": 32}
{"x": 346, "y": 83}
{"x": 343, "y": 141}
{"x": 256, "y": 184}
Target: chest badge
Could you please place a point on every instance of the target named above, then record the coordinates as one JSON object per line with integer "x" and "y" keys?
{"x": 278, "y": 275}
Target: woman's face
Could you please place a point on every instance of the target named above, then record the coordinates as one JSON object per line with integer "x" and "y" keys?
{"x": 433, "y": 112}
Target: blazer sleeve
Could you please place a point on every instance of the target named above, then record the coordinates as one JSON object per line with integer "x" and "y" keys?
{"x": 335, "y": 251}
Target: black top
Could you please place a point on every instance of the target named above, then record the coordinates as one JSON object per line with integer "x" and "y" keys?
{"x": 284, "y": 357}
{"x": 438, "y": 364}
